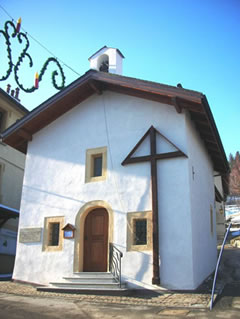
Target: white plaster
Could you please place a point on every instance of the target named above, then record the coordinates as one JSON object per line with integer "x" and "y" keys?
{"x": 54, "y": 185}
{"x": 164, "y": 146}
{"x": 202, "y": 196}
{"x": 144, "y": 148}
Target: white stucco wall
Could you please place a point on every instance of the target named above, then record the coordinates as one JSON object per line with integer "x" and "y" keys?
{"x": 54, "y": 185}
{"x": 201, "y": 179}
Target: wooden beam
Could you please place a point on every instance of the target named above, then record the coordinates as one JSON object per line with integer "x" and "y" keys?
{"x": 24, "y": 134}
{"x": 169, "y": 155}
{"x": 175, "y": 102}
{"x": 193, "y": 106}
{"x": 141, "y": 94}
{"x": 126, "y": 161}
{"x": 215, "y": 154}
{"x": 93, "y": 85}
{"x": 138, "y": 159}
{"x": 21, "y": 142}
{"x": 211, "y": 146}
{"x": 202, "y": 123}
{"x": 155, "y": 234}
{"x": 147, "y": 158}
{"x": 153, "y": 158}
{"x": 208, "y": 138}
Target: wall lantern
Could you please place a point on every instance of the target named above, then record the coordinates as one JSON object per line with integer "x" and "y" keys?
{"x": 68, "y": 231}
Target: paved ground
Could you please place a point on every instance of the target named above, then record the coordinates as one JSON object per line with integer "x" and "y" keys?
{"x": 21, "y": 301}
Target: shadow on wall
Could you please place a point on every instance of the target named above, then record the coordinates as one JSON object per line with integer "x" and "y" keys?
{"x": 145, "y": 262}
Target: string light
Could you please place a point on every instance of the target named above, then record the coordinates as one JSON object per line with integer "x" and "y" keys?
{"x": 39, "y": 43}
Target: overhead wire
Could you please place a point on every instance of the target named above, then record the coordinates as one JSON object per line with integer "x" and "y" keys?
{"x": 39, "y": 43}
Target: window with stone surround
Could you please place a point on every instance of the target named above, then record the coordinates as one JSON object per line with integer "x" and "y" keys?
{"x": 96, "y": 164}
{"x": 53, "y": 234}
{"x": 139, "y": 231}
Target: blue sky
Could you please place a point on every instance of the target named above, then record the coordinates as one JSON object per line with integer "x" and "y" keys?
{"x": 195, "y": 43}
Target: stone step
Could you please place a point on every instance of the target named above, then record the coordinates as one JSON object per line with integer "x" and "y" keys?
{"x": 123, "y": 291}
{"x": 85, "y": 285}
{"x": 87, "y": 282}
{"x": 93, "y": 275}
{"x": 90, "y": 280}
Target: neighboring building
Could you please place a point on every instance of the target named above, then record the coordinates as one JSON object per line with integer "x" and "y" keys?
{"x": 11, "y": 179}
{"x": 113, "y": 159}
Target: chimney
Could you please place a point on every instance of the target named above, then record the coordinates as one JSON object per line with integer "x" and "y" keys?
{"x": 17, "y": 94}
{"x": 8, "y": 88}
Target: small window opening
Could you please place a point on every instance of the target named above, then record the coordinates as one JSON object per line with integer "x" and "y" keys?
{"x": 53, "y": 234}
{"x": 140, "y": 232}
{"x": 97, "y": 165}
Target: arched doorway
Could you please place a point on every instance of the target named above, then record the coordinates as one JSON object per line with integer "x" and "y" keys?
{"x": 79, "y": 232}
{"x": 96, "y": 240}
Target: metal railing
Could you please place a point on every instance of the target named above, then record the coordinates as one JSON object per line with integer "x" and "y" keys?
{"x": 217, "y": 266}
{"x": 115, "y": 256}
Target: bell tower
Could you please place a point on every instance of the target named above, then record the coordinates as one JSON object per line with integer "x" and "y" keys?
{"x": 107, "y": 60}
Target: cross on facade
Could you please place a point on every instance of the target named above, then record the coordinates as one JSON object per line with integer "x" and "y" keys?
{"x": 152, "y": 158}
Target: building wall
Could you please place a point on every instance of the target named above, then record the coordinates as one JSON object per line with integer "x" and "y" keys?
{"x": 54, "y": 185}
{"x": 11, "y": 161}
{"x": 201, "y": 180}
{"x": 11, "y": 180}
{"x": 12, "y": 171}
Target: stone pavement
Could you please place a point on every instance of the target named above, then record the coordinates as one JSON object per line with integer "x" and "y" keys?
{"x": 195, "y": 300}
{"x": 23, "y": 302}
{"x": 19, "y": 301}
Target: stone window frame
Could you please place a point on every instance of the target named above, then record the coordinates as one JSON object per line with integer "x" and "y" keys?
{"x": 131, "y": 217}
{"x": 47, "y": 222}
{"x": 90, "y": 154}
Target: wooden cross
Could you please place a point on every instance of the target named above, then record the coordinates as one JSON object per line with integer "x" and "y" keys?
{"x": 152, "y": 158}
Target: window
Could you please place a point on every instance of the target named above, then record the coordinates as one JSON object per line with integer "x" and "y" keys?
{"x": 53, "y": 238}
{"x": 53, "y": 234}
{"x": 139, "y": 231}
{"x": 96, "y": 164}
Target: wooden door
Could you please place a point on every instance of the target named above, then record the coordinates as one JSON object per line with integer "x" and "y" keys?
{"x": 96, "y": 240}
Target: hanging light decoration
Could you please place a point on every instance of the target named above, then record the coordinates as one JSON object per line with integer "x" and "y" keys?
{"x": 36, "y": 80}
{"x": 11, "y": 31}
{"x": 19, "y": 21}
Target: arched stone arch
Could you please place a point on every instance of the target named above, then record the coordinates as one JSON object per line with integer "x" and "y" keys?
{"x": 79, "y": 232}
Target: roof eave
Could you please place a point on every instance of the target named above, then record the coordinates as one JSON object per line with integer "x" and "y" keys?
{"x": 95, "y": 82}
